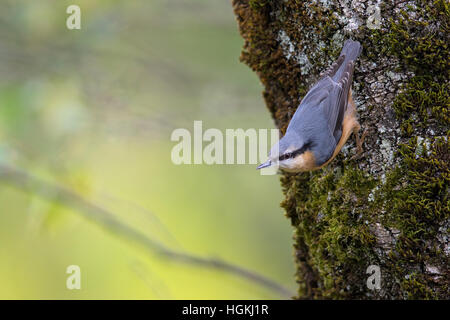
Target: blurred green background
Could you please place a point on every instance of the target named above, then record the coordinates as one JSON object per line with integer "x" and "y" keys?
{"x": 93, "y": 110}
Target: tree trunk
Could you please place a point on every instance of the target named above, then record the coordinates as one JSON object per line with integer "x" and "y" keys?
{"x": 389, "y": 209}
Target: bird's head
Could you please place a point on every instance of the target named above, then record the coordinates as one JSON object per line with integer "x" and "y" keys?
{"x": 290, "y": 154}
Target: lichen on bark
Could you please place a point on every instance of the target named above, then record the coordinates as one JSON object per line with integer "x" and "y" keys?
{"x": 389, "y": 208}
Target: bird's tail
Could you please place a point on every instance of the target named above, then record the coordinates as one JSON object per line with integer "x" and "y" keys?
{"x": 351, "y": 51}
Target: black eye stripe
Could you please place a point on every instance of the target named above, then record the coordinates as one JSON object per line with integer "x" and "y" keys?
{"x": 295, "y": 153}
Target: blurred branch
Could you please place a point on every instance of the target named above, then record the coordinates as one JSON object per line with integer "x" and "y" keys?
{"x": 24, "y": 181}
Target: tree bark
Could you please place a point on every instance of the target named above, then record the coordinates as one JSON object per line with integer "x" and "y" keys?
{"x": 390, "y": 207}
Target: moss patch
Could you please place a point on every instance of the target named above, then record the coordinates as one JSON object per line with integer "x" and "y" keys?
{"x": 415, "y": 198}
{"x": 422, "y": 102}
{"x": 420, "y": 38}
{"x": 331, "y": 222}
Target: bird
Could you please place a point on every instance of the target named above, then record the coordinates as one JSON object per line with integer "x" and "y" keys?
{"x": 323, "y": 121}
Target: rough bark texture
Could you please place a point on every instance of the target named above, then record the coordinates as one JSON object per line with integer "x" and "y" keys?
{"x": 389, "y": 208}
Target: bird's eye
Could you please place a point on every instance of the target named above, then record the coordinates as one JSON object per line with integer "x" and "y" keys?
{"x": 286, "y": 156}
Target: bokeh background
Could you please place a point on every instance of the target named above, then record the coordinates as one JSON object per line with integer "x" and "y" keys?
{"x": 92, "y": 110}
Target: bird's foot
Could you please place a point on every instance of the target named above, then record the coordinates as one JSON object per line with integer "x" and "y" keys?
{"x": 359, "y": 142}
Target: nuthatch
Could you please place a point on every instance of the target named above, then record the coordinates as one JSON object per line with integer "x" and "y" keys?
{"x": 324, "y": 120}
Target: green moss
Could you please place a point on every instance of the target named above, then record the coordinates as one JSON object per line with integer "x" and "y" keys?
{"x": 415, "y": 194}
{"x": 415, "y": 288}
{"x": 421, "y": 43}
{"x": 331, "y": 222}
{"x": 416, "y": 197}
{"x": 421, "y": 40}
{"x": 423, "y": 100}
{"x": 257, "y": 4}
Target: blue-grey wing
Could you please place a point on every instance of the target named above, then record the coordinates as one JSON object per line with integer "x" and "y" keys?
{"x": 338, "y": 112}
{"x": 331, "y": 71}
{"x": 325, "y": 99}
{"x": 332, "y": 98}
{"x": 337, "y": 81}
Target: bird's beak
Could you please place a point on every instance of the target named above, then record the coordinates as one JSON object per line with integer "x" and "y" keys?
{"x": 266, "y": 164}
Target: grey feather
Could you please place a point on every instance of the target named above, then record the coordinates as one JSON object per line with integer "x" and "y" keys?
{"x": 351, "y": 51}
{"x": 331, "y": 71}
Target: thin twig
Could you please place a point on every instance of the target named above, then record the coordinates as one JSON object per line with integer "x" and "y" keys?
{"x": 105, "y": 218}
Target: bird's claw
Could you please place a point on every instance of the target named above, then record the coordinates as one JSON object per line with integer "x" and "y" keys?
{"x": 359, "y": 142}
